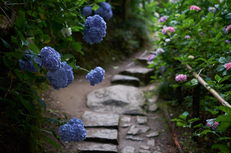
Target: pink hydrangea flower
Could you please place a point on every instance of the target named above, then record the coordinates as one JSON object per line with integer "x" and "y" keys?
{"x": 215, "y": 125}
{"x": 187, "y": 37}
{"x": 181, "y": 77}
{"x": 170, "y": 29}
{"x": 194, "y": 7}
{"x": 228, "y": 27}
{"x": 228, "y": 66}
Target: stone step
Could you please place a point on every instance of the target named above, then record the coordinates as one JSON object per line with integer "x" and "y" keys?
{"x": 118, "y": 99}
{"x": 144, "y": 60}
{"x": 142, "y": 73}
{"x": 93, "y": 147}
{"x": 126, "y": 80}
{"x": 92, "y": 119}
{"x": 102, "y": 135}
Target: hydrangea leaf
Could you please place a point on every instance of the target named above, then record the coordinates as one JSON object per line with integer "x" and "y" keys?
{"x": 95, "y": 7}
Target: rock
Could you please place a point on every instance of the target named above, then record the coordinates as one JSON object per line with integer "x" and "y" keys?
{"x": 145, "y": 147}
{"x": 142, "y": 73}
{"x": 87, "y": 147}
{"x": 134, "y": 138}
{"x": 133, "y": 130}
{"x": 144, "y": 129}
{"x": 144, "y": 151}
{"x": 142, "y": 119}
{"x": 157, "y": 151}
{"x": 117, "y": 99}
{"x": 151, "y": 142}
{"x": 126, "y": 80}
{"x": 128, "y": 149}
{"x": 92, "y": 119}
{"x": 126, "y": 119}
{"x": 125, "y": 125}
{"x": 153, "y": 99}
{"x": 153, "y": 107}
{"x": 158, "y": 148}
{"x": 102, "y": 135}
{"x": 152, "y": 134}
{"x": 143, "y": 60}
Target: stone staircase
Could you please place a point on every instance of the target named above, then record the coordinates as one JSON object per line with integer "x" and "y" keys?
{"x": 121, "y": 119}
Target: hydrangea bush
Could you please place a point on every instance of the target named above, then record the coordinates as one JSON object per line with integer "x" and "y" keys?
{"x": 34, "y": 48}
{"x": 197, "y": 34}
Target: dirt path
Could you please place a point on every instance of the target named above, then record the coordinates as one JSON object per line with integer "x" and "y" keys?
{"x": 72, "y": 102}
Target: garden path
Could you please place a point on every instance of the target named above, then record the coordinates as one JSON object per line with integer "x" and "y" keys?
{"x": 110, "y": 127}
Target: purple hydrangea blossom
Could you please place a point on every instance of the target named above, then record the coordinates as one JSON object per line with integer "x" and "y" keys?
{"x": 151, "y": 57}
{"x": 212, "y": 9}
{"x": 62, "y": 77}
{"x": 73, "y": 131}
{"x": 87, "y": 11}
{"x": 162, "y": 19}
{"x": 187, "y": 37}
{"x": 228, "y": 66}
{"x": 95, "y": 76}
{"x": 159, "y": 50}
{"x": 27, "y": 63}
{"x": 104, "y": 10}
{"x": 94, "y": 29}
{"x": 225, "y": 31}
{"x": 201, "y": 33}
{"x": 51, "y": 59}
{"x": 227, "y": 41}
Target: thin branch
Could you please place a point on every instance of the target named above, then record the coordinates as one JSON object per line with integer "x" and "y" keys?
{"x": 11, "y": 82}
{"x": 211, "y": 90}
{"x": 7, "y": 16}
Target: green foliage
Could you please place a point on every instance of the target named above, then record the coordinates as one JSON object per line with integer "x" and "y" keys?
{"x": 206, "y": 53}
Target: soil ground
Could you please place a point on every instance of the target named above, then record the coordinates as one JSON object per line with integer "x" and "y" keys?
{"x": 72, "y": 102}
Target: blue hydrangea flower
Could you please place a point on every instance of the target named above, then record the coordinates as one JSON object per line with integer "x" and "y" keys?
{"x": 51, "y": 59}
{"x": 104, "y": 10}
{"x": 69, "y": 72}
{"x": 73, "y": 131}
{"x": 27, "y": 63}
{"x": 95, "y": 76}
{"x": 87, "y": 11}
{"x": 62, "y": 77}
{"x": 94, "y": 29}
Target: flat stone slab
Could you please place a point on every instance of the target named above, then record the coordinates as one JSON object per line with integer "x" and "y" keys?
{"x": 145, "y": 147}
{"x": 142, "y": 73}
{"x": 126, "y": 80}
{"x": 125, "y": 125}
{"x": 119, "y": 99}
{"x": 151, "y": 142}
{"x": 144, "y": 151}
{"x": 126, "y": 119}
{"x": 133, "y": 130}
{"x": 144, "y": 129}
{"x": 88, "y": 147}
{"x": 92, "y": 119}
{"x": 142, "y": 119}
{"x": 133, "y": 138}
{"x": 152, "y": 134}
{"x": 102, "y": 135}
{"x": 128, "y": 149}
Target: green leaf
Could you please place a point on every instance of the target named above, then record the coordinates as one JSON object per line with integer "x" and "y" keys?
{"x": 76, "y": 46}
{"x": 98, "y": 1}
{"x": 19, "y": 74}
{"x": 225, "y": 138}
{"x": 20, "y": 22}
{"x": 41, "y": 102}
{"x": 219, "y": 35}
{"x": 218, "y": 78}
{"x": 14, "y": 40}
{"x": 29, "y": 75}
{"x": 46, "y": 39}
{"x": 225, "y": 109}
{"x": 95, "y": 7}
{"x": 222, "y": 60}
{"x": 40, "y": 79}
{"x": 205, "y": 132}
{"x": 52, "y": 142}
{"x": 225, "y": 78}
{"x": 34, "y": 48}
{"x": 5, "y": 43}
{"x": 181, "y": 124}
{"x": 224, "y": 118}
{"x": 223, "y": 148}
